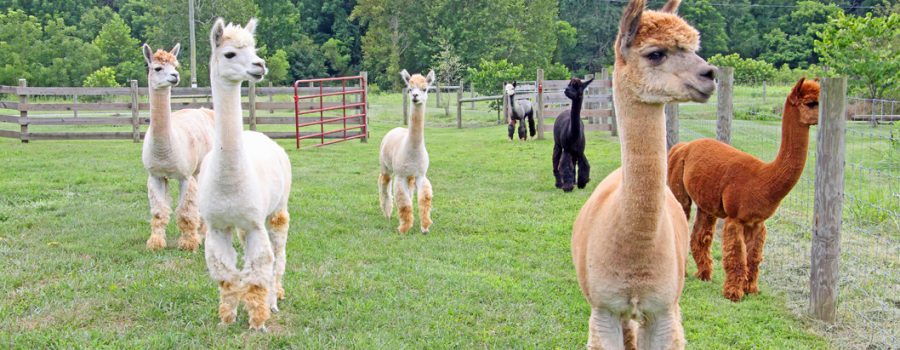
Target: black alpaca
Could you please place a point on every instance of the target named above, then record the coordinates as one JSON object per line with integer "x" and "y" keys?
{"x": 568, "y": 139}
{"x": 519, "y": 110}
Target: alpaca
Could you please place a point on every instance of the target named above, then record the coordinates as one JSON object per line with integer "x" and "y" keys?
{"x": 404, "y": 158}
{"x": 519, "y": 110}
{"x": 727, "y": 183}
{"x": 244, "y": 186}
{"x": 568, "y": 141}
{"x": 630, "y": 239}
{"x": 174, "y": 147}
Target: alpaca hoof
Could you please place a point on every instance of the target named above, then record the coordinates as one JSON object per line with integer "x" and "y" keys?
{"x": 733, "y": 294}
{"x": 751, "y": 290}
{"x": 274, "y": 309}
{"x": 403, "y": 229}
{"x": 704, "y": 275}
{"x": 558, "y": 185}
{"x": 582, "y": 185}
{"x": 260, "y": 328}
{"x": 227, "y": 318}
{"x": 188, "y": 244}
{"x": 567, "y": 189}
{"x": 156, "y": 243}
{"x": 424, "y": 231}
{"x": 280, "y": 293}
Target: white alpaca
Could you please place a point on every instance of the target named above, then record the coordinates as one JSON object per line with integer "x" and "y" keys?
{"x": 244, "y": 186}
{"x": 174, "y": 148}
{"x": 405, "y": 159}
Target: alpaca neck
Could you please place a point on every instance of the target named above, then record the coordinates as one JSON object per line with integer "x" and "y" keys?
{"x": 576, "y": 115}
{"x": 161, "y": 120}
{"x": 642, "y": 127}
{"x": 788, "y": 166}
{"x": 416, "y": 135}
{"x": 229, "y": 118}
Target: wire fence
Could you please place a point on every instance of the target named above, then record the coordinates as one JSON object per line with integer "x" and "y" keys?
{"x": 869, "y": 287}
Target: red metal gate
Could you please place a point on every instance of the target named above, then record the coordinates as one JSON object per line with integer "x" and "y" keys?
{"x": 317, "y": 98}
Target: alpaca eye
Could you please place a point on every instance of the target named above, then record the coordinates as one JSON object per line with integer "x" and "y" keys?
{"x": 157, "y": 69}
{"x": 656, "y": 56}
{"x": 230, "y": 55}
{"x": 812, "y": 104}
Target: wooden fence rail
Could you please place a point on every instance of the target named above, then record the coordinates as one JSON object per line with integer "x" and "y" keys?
{"x": 35, "y": 106}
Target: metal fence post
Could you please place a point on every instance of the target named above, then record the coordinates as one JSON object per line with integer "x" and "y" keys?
{"x": 23, "y": 112}
{"x": 725, "y": 104}
{"x": 251, "y": 98}
{"x": 365, "y": 99}
{"x": 671, "y": 125}
{"x": 135, "y": 113}
{"x": 459, "y": 97}
{"x": 829, "y": 198}
{"x": 539, "y": 106}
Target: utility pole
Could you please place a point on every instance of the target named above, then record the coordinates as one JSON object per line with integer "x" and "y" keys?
{"x": 193, "y": 44}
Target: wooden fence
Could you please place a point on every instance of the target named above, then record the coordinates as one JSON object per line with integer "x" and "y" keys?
{"x": 120, "y": 107}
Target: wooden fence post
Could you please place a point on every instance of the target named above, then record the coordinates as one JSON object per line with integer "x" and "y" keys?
{"x": 135, "y": 113}
{"x": 472, "y": 94}
{"x": 405, "y": 107}
{"x": 459, "y": 97}
{"x": 365, "y": 80}
{"x": 505, "y": 108}
{"x": 764, "y": 92}
{"x": 829, "y": 198}
{"x": 251, "y": 99}
{"x": 437, "y": 90}
{"x": 671, "y": 125}
{"x": 75, "y": 110}
{"x": 271, "y": 110}
{"x": 23, "y": 113}
{"x": 539, "y": 105}
{"x": 725, "y": 105}
{"x": 613, "y": 124}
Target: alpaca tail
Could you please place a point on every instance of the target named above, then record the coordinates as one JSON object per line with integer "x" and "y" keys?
{"x": 531, "y": 128}
{"x": 675, "y": 179}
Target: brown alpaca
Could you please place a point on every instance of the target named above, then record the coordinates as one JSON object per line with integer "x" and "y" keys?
{"x": 629, "y": 242}
{"x": 727, "y": 183}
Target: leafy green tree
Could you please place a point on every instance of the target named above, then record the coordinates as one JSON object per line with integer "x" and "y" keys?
{"x": 566, "y": 39}
{"x": 596, "y": 23}
{"x": 103, "y": 77}
{"x": 865, "y": 48}
{"x": 93, "y": 21}
{"x": 305, "y": 58}
{"x": 557, "y": 71}
{"x": 792, "y": 41}
{"x": 337, "y": 56}
{"x": 710, "y": 23}
{"x": 120, "y": 50}
{"x": 278, "y": 66}
{"x": 746, "y": 70}
{"x": 489, "y": 76}
{"x": 447, "y": 64}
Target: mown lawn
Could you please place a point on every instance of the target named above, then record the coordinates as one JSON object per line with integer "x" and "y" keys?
{"x": 495, "y": 271}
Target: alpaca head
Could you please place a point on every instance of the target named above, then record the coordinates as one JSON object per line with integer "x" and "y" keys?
{"x": 576, "y": 87}
{"x": 233, "y": 57}
{"x": 417, "y": 86}
{"x": 510, "y": 88}
{"x": 162, "y": 67}
{"x": 804, "y": 97}
{"x": 656, "y": 56}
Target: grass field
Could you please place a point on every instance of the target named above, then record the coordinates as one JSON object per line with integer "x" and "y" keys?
{"x": 495, "y": 271}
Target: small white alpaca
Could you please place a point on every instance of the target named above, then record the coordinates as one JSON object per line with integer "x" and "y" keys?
{"x": 404, "y": 160}
{"x": 174, "y": 147}
{"x": 244, "y": 186}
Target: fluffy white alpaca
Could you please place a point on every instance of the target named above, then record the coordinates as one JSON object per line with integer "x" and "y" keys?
{"x": 244, "y": 186}
{"x": 405, "y": 159}
{"x": 174, "y": 147}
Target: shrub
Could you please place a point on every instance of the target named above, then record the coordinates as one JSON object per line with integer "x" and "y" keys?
{"x": 490, "y": 75}
{"x": 747, "y": 71}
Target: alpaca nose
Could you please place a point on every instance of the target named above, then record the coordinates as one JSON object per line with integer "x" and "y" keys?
{"x": 260, "y": 64}
{"x": 709, "y": 73}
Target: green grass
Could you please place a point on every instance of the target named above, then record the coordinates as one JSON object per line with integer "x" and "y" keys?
{"x": 495, "y": 271}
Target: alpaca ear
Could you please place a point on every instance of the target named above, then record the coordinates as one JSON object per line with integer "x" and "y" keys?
{"x": 176, "y": 50}
{"x": 218, "y": 30}
{"x": 587, "y": 83}
{"x": 251, "y": 26}
{"x": 430, "y": 77}
{"x": 794, "y": 97}
{"x": 671, "y": 6}
{"x": 405, "y": 75}
{"x": 148, "y": 53}
{"x": 630, "y": 23}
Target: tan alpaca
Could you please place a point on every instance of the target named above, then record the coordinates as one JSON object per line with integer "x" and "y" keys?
{"x": 630, "y": 238}
{"x": 174, "y": 148}
{"x": 404, "y": 158}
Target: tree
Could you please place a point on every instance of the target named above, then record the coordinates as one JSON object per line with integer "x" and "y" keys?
{"x": 792, "y": 41}
{"x": 865, "y": 48}
{"x": 710, "y": 23}
{"x": 120, "y": 50}
{"x": 447, "y": 64}
{"x": 278, "y": 66}
{"x": 566, "y": 39}
{"x": 337, "y": 55}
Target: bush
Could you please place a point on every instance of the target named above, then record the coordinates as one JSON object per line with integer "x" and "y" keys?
{"x": 557, "y": 71}
{"x": 103, "y": 77}
{"x": 490, "y": 75}
{"x": 747, "y": 71}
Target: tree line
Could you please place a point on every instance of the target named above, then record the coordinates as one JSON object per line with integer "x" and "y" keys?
{"x": 96, "y": 42}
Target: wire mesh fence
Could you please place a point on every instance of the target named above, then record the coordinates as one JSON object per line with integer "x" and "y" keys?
{"x": 869, "y": 287}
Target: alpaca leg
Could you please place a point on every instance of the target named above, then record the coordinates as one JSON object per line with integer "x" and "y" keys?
{"x": 404, "y": 205}
{"x": 557, "y": 153}
{"x": 584, "y": 171}
{"x": 531, "y": 127}
{"x": 425, "y": 195}
{"x": 734, "y": 260}
{"x": 188, "y": 216}
{"x": 221, "y": 261}
{"x": 755, "y": 243}
{"x": 511, "y": 128}
{"x": 522, "y": 135}
{"x": 663, "y": 331}
{"x": 676, "y": 183}
{"x": 278, "y": 233}
{"x": 160, "y": 209}
{"x": 629, "y": 334}
{"x": 604, "y": 331}
{"x": 258, "y": 276}
{"x": 385, "y": 196}
{"x": 567, "y": 171}
{"x": 701, "y": 243}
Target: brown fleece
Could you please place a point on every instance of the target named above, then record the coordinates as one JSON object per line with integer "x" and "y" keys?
{"x": 255, "y": 303}
{"x": 726, "y": 183}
